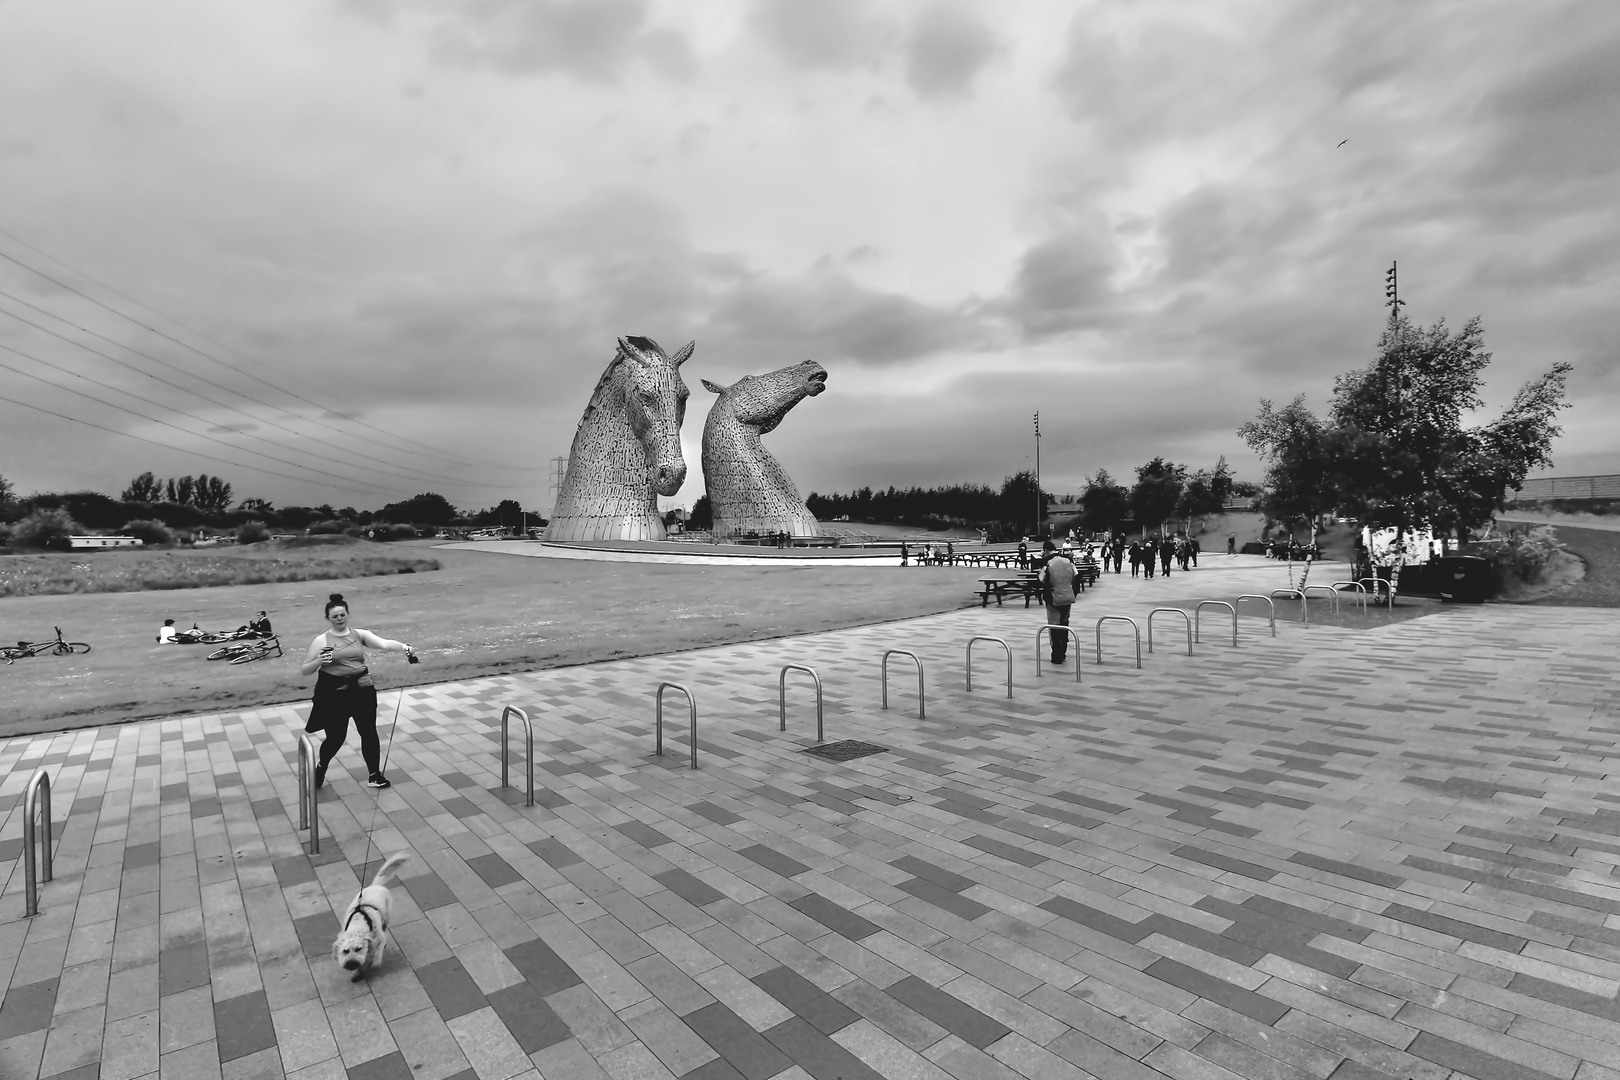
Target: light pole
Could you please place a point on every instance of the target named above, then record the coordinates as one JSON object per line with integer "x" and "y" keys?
{"x": 1040, "y": 502}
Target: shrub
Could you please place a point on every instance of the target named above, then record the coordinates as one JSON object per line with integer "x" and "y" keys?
{"x": 390, "y": 532}
{"x": 45, "y": 529}
{"x": 5, "y": 535}
{"x": 252, "y": 532}
{"x": 1519, "y": 557}
{"x": 329, "y": 527}
{"x": 149, "y": 531}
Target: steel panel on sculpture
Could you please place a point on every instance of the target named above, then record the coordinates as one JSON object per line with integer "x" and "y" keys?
{"x": 748, "y": 489}
{"x": 627, "y": 449}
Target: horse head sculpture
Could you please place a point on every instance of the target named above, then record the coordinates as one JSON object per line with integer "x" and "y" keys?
{"x": 748, "y": 489}
{"x": 627, "y": 448}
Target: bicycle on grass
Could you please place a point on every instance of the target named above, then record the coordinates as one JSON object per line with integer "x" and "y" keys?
{"x": 247, "y": 652}
{"x": 55, "y": 646}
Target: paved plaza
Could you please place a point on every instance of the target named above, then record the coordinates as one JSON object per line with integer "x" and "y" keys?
{"x": 1338, "y": 853}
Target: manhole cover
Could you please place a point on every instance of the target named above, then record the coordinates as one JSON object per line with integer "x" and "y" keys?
{"x": 846, "y": 750}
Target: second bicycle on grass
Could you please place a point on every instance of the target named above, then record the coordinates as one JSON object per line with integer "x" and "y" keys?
{"x": 55, "y": 646}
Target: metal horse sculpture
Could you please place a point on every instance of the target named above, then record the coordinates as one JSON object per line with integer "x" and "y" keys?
{"x": 627, "y": 450}
{"x": 748, "y": 490}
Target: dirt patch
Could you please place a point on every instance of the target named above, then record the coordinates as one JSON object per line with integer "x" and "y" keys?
{"x": 481, "y": 614}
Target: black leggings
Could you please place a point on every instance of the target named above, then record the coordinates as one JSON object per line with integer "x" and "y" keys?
{"x": 334, "y": 709}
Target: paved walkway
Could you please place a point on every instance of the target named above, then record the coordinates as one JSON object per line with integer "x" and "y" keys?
{"x": 1340, "y": 854}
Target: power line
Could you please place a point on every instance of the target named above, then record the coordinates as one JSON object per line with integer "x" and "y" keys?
{"x": 440, "y": 453}
{"x": 343, "y": 480}
{"x": 195, "y": 393}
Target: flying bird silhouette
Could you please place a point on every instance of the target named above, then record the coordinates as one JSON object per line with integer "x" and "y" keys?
{"x": 1341, "y": 144}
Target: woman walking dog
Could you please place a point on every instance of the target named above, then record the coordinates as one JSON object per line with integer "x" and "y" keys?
{"x": 344, "y": 689}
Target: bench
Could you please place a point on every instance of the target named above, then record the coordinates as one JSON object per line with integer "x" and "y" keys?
{"x": 1026, "y": 585}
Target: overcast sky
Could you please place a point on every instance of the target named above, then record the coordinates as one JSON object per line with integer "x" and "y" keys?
{"x": 402, "y": 237}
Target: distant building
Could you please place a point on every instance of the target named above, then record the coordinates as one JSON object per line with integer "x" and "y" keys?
{"x": 79, "y": 543}
{"x": 1567, "y": 487}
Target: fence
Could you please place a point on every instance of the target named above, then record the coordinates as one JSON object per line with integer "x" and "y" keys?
{"x": 918, "y": 659}
{"x": 528, "y": 735}
{"x": 1006, "y": 647}
{"x": 37, "y": 796}
{"x": 658, "y": 718}
{"x": 781, "y": 696}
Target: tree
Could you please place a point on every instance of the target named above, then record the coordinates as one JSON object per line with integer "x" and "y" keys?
{"x": 1104, "y": 504}
{"x": 145, "y": 488}
{"x": 702, "y": 514}
{"x": 507, "y": 514}
{"x": 428, "y": 508}
{"x": 1205, "y": 492}
{"x": 211, "y": 495}
{"x": 45, "y": 528}
{"x": 1158, "y": 490}
{"x": 1017, "y": 503}
{"x": 1292, "y": 443}
{"x": 1401, "y": 454}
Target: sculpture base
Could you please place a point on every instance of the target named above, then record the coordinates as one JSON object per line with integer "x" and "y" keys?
{"x": 627, "y": 527}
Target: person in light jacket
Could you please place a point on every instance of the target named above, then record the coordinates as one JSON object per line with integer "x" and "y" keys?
{"x": 1057, "y": 579}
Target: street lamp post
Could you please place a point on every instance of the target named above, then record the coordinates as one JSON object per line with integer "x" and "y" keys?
{"x": 1040, "y": 502}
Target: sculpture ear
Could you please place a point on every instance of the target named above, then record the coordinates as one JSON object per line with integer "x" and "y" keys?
{"x": 684, "y": 355}
{"x": 713, "y": 389}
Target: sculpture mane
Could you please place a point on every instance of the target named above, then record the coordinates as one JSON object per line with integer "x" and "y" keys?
{"x": 748, "y": 490}
{"x": 627, "y": 448}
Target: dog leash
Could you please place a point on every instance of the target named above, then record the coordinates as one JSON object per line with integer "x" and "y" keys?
{"x": 376, "y": 803}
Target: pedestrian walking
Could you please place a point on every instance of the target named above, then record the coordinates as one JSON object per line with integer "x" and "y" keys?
{"x": 1057, "y": 581}
{"x": 905, "y": 554}
{"x": 1231, "y": 543}
{"x": 1192, "y": 549}
{"x": 1023, "y": 555}
{"x": 1167, "y": 553}
{"x": 1150, "y": 557}
{"x": 1136, "y": 557}
{"x": 344, "y": 689}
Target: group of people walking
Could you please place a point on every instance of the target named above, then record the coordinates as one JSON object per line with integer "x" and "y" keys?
{"x": 1150, "y": 556}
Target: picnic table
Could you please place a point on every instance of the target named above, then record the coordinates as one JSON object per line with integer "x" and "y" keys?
{"x": 1000, "y": 586}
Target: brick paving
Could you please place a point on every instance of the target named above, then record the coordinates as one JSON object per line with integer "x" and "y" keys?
{"x": 1346, "y": 854}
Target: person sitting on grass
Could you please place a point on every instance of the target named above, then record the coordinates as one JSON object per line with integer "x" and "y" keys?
{"x": 260, "y": 625}
{"x": 166, "y": 633}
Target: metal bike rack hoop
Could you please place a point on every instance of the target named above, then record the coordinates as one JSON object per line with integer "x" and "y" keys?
{"x": 1360, "y": 593}
{"x": 528, "y": 734}
{"x": 1329, "y": 589}
{"x": 1199, "y": 610}
{"x": 1184, "y": 618}
{"x": 1074, "y": 639}
{"x": 1304, "y": 604}
{"x": 309, "y": 804}
{"x": 38, "y": 793}
{"x": 1271, "y": 608}
{"x": 918, "y": 659}
{"x": 998, "y": 641}
{"x": 1389, "y": 588}
{"x": 1137, "y": 630}
{"x": 658, "y": 718}
{"x": 781, "y": 696}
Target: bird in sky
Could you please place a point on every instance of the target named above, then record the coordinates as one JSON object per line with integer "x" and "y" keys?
{"x": 1341, "y": 144}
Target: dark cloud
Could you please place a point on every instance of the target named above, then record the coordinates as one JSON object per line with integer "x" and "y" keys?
{"x": 1062, "y": 284}
{"x": 947, "y": 50}
{"x": 831, "y": 317}
{"x": 588, "y": 39}
{"x": 834, "y": 34}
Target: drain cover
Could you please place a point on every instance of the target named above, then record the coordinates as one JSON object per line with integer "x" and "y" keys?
{"x": 846, "y": 750}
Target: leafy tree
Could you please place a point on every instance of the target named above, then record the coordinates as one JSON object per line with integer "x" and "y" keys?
{"x": 1245, "y": 489}
{"x": 1104, "y": 504}
{"x": 429, "y": 508}
{"x": 252, "y": 532}
{"x": 1299, "y": 469}
{"x": 1018, "y": 504}
{"x": 1157, "y": 492}
{"x": 211, "y": 495}
{"x": 703, "y": 514}
{"x": 1206, "y": 492}
{"x": 506, "y": 514}
{"x": 145, "y": 488}
{"x": 1401, "y": 453}
{"x": 256, "y": 506}
{"x": 45, "y": 528}
{"x": 149, "y": 531}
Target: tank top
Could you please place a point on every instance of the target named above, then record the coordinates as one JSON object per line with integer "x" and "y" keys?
{"x": 348, "y": 656}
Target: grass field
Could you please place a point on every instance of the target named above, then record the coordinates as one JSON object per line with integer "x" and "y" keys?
{"x": 1599, "y": 549}
{"x": 480, "y": 614}
{"x": 136, "y": 570}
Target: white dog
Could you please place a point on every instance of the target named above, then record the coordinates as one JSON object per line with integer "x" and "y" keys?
{"x": 359, "y": 945}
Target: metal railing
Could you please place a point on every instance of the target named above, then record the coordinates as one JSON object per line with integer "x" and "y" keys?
{"x": 918, "y": 659}
{"x": 1270, "y": 607}
{"x": 309, "y": 804}
{"x": 528, "y": 746}
{"x": 1134, "y": 629}
{"x": 37, "y": 794}
{"x": 1074, "y": 639}
{"x": 1165, "y": 611}
{"x": 1199, "y": 610}
{"x": 781, "y": 696}
{"x": 1304, "y": 604}
{"x": 1360, "y": 593}
{"x": 1005, "y": 646}
{"x": 658, "y": 718}
{"x": 1329, "y": 589}
{"x": 1388, "y": 586}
